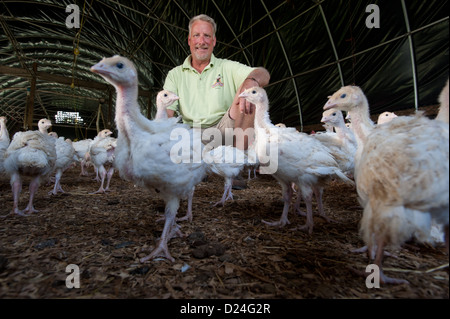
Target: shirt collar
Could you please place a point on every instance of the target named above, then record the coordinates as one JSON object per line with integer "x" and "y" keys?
{"x": 187, "y": 62}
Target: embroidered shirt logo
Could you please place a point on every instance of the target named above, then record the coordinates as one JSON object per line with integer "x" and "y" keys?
{"x": 218, "y": 82}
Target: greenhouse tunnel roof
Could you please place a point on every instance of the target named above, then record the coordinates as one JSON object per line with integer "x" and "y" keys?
{"x": 396, "y": 51}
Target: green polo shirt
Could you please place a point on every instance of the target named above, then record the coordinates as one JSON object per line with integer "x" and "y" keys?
{"x": 205, "y": 97}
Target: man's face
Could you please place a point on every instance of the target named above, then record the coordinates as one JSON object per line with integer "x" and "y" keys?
{"x": 201, "y": 40}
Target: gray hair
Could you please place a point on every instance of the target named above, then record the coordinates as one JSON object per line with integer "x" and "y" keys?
{"x": 203, "y": 17}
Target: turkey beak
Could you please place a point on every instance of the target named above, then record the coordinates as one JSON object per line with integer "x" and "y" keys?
{"x": 243, "y": 95}
{"x": 99, "y": 68}
{"x": 95, "y": 68}
{"x": 329, "y": 105}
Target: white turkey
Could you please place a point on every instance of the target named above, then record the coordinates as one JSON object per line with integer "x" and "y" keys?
{"x": 328, "y": 127}
{"x": 53, "y": 134}
{"x": 290, "y": 157}
{"x": 340, "y": 148}
{"x": 4, "y": 143}
{"x": 31, "y": 154}
{"x": 436, "y": 233}
{"x": 443, "y": 101}
{"x": 401, "y": 173}
{"x": 342, "y": 142}
{"x": 87, "y": 161}
{"x": 81, "y": 148}
{"x": 252, "y": 161}
{"x": 148, "y": 152}
{"x": 101, "y": 153}
{"x": 64, "y": 159}
{"x": 342, "y": 129}
{"x": 228, "y": 162}
{"x": 386, "y": 117}
{"x": 164, "y": 99}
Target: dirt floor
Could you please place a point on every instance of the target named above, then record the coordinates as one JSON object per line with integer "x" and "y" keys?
{"x": 227, "y": 252}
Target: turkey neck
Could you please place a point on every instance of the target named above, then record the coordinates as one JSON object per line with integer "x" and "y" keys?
{"x": 362, "y": 125}
{"x": 3, "y": 132}
{"x": 127, "y": 109}
{"x": 262, "y": 119}
{"x": 443, "y": 109}
{"x": 43, "y": 130}
{"x": 161, "y": 113}
{"x": 341, "y": 131}
{"x": 263, "y": 129}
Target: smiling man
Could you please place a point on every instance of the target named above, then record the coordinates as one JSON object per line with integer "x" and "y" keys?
{"x": 209, "y": 87}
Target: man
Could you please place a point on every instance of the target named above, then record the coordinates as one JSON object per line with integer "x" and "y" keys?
{"x": 209, "y": 87}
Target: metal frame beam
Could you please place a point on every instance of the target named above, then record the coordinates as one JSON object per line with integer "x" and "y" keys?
{"x": 412, "y": 55}
{"x": 294, "y": 84}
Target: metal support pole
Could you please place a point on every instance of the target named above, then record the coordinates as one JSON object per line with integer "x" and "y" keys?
{"x": 413, "y": 58}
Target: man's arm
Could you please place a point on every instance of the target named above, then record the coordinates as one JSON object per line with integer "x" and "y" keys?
{"x": 260, "y": 76}
{"x": 242, "y": 111}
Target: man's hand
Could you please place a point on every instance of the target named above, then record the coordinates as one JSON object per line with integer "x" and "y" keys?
{"x": 246, "y": 107}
